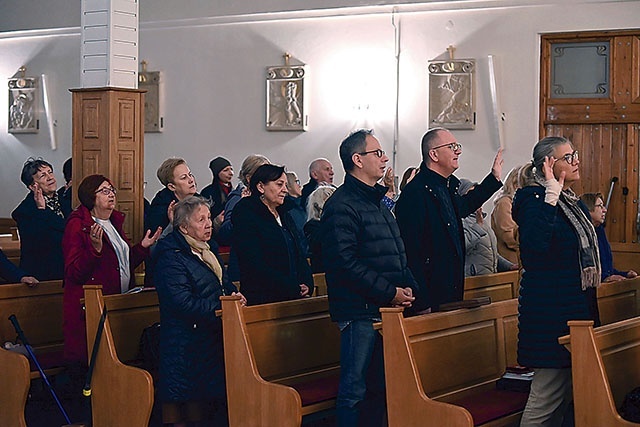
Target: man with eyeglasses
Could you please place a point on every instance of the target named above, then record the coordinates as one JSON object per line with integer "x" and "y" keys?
{"x": 41, "y": 222}
{"x": 429, "y": 213}
{"x": 597, "y": 212}
{"x": 366, "y": 269}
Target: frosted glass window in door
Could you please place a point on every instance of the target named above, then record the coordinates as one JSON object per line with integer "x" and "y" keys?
{"x": 580, "y": 70}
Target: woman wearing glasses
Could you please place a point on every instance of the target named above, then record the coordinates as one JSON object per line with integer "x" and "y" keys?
{"x": 96, "y": 251}
{"x": 559, "y": 253}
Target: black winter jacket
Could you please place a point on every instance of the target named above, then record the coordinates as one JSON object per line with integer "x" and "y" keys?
{"x": 363, "y": 253}
{"x": 550, "y": 290}
{"x": 191, "y": 355}
{"x": 263, "y": 256}
{"x": 428, "y": 237}
{"x": 41, "y": 233}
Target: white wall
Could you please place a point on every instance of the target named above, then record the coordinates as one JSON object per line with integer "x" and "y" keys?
{"x": 213, "y": 70}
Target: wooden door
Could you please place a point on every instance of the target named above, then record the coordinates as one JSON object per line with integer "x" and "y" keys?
{"x": 590, "y": 93}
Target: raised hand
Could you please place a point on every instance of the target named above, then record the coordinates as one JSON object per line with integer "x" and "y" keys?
{"x": 95, "y": 235}
{"x": 148, "y": 239}
{"x": 38, "y": 196}
{"x": 496, "y": 168}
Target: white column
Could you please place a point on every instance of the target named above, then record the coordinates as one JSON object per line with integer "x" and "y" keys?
{"x": 109, "y": 43}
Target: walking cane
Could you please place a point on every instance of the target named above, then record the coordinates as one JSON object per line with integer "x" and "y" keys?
{"x": 613, "y": 183}
{"x": 16, "y": 326}
{"x": 86, "y": 390}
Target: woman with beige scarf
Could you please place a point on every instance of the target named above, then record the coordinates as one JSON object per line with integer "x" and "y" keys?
{"x": 189, "y": 284}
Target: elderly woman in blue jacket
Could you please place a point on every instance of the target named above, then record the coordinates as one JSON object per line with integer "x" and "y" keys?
{"x": 189, "y": 284}
{"x": 559, "y": 253}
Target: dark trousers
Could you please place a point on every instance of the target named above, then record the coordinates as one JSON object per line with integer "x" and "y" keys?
{"x": 361, "y": 396}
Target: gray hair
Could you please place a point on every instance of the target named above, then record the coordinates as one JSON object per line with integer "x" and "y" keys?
{"x": 316, "y": 200}
{"x": 183, "y": 210}
{"x": 546, "y": 147}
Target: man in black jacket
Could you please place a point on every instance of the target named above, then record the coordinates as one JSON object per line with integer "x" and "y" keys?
{"x": 429, "y": 213}
{"x": 366, "y": 269}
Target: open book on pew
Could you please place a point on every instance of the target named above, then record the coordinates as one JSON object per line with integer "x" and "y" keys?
{"x": 468, "y": 303}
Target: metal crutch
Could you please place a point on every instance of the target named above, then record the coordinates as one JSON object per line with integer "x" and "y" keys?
{"x": 14, "y": 321}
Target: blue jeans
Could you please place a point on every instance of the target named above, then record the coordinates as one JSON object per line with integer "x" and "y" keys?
{"x": 361, "y": 396}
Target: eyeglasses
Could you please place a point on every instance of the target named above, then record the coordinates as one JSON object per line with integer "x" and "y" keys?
{"x": 298, "y": 181}
{"x": 571, "y": 158}
{"x": 599, "y": 205}
{"x": 455, "y": 146}
{"x": 107, "y": 190}
{"x": 378, "y": 153}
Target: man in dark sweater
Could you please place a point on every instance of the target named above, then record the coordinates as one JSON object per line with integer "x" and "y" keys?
{"x": 366, "y": 269}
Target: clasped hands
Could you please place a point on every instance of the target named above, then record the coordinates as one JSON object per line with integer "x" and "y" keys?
{"x": 404, "y": 297}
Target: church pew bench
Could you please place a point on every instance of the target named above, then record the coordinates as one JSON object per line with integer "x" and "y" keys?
{"x": 7, "y": 225}
{"x": 11, "y": 248}
{"x": 39, "y": 312}
{"x": 281, "y": 360}
{"x": 121, "y": 394}
{"x": 497, "y": 286}
{"x": 619, "y": 300}
{"x": 14, "y": 381}
{"x": 441, "y": 368}
{"x": 604, "y": 364}
{"x": 130, "y": 314}
{"x": 320, "y": 284}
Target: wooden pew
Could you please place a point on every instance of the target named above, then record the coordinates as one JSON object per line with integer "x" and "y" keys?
{"x": 281, "y": 360}
{"x": 14, "y": 387}
{"x": 441, "y": 369}
{"x": 619, "y": 300}
{"x": 129, "y": 315}
{"x": 604, "y": 364}
{"x": 11, "y": 248}
{"x": 7, "y": 225}
{"x": 497, "y": 286}
{"x": 320, "y": 284}
{"x": 39, "y": 311}
{"x": 121, "y": 395}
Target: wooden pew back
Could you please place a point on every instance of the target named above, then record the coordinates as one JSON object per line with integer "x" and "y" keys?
{"x": 619, "y": 300}
{"x": 14, "y": 378}
{"x": 121, "y": 394}
{"x": 39, "y": 312}
{"x": 445, "y": 356}
{"x": 605, "y": 368}
{"x": 497, "y": 286}
{"x": 269, "y": 348}
{"x": 129, "y": 314}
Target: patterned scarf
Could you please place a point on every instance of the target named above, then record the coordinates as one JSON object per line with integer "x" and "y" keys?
{"x": 589, "y": 256}
{"x": 53, "y": 203}
{"x": 202, "y": 248}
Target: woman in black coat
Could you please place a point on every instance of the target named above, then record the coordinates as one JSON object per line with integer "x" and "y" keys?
{"x": 559, "y": 253}
{"x": 273, "y": 263}
{"x": 189, "y": 284}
